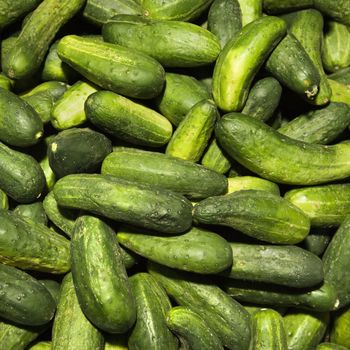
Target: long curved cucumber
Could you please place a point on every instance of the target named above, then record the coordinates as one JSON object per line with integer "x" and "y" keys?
{"x": 340, "y": 328}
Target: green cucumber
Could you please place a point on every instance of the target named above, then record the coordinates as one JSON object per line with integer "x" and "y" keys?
{"x": 282, "y": 265}
{"x": 336, "y": 46}
{"x": 28, "y": 51}
{"x": 99, "y": 276}
{"x": 42, "y": 345}
{"x": 340, "y": 329}
{"x": 341, "y": 76}
{"x": 279, "y": 158}
{"x": 197, "y": 250}
{"x": 69, "y": 109}
{"x": 340, "y": 92}
{"x": 50, "y": 177}
{"x": 240, "y": 183}
{"x": 225, "y": 316}
{"x": 191, "y": 137}
{"x": 256, "y": 213}
{"x": 194, "y": 46}
{"x": 282, "y": 6}
{"x": 5, "y": 82}
{"x": 158, "y": 169}
{"x": 4, "y": 202}
{"x": 125, "y": 201}
{"x": 53, "y": 287}
{"x": 268, "y": 331}
{"x": 20, "y": 124}
{"x": 127, "y": 120}
{"x": 180, "y": 94}
{"x": 240, "y": 60}
{"x": 113, "y": 67}
{"x": 116, "y": 342}
{"x": 152, "y": 305}
{"x": 316, "y": 241}
{"x": 30, "y": 245}
{"x": 71, "y": 329}
{"x": 337, "y": 10}
{"x": 251, "y": 10}
{"x": 24, "y": 300}
{"x": 192, "y": 327}
{"x": 293, "y": 67}
{"x": 330, "y": 346}
{"x": 34, "y": 211}
{"x": 215, "y": 159}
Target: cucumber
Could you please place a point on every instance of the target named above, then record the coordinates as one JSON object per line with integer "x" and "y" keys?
{"x": 28, "y": 51}
{"x": 194, "y": 46}
{"x": 336, "y": 46}
{"x": 50, "y": 177}
{"x": 21, "y": 176}
{"x": 256, "y": 213}
{"x": 215, "y": 159}
{"x": 113, "y": 67}
{"x": 335, "y": 261}
{"x": 152, "y": 305}
{"x": 197, "y": 250}
{"x": 4, "y": 202}
{"x": 34, "y": 211}
{"x": 30, "y": 245}
{"x": 99, "y": 276}
{"x": 279, "y": 158}
{"x": 340, "y": 328}
{"x": 69, "y": 109}
{"x": 24, "y": 300}
{"x": 320, "y": 126}
{"x": 341, "y": 76}
{"x": 340, "y": 92}
{"x": 43, "y": 97}
{"x": 282, "y": 265}
{"x": 240, "y": 183}
{"x": 20, "y": 125}
{"x": 53, "y": 287}
{"x": 5, "y": 82}
{"x": 116, "y": 342}
{"x": 127, "y": 120}
{"x": 291, "y": 65}
{"x": 263, "y": 99}
{"x": 226, "y": 317}
{"x": 330, "y": 346}
{"x": 193, "y": 328}
{"x": 241, "y": 59}
{"x": 192, "y": 136}
{"x": 282, "y": 6}
{"x": 125, "y": 201}
{"x": 180, "y": 94}
{"x": 42, "y": 345}
{"x": 251, "y": 10}
{"x": 71, "y": 329}
{"x": 316, "y": 241}
{"x": 225, "y": 20}
{"x": 338, "y": 11}
{"x": 268, "y": 331}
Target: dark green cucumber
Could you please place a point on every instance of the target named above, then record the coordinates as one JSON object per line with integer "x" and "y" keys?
{"x": 305, "y": 329}
{"x": 241, "y": 59}
{"x": 158, "y": 169}
{"x": 4, "y": 202}
{"x": 268, "y": 331}
{"x": 191, "y": 137}
{"x": 240, "y": 183}
{"x": 341, "y": 76}
{"x": 316, "y": 241}
{"x": 99, "y": 276}
{"x": 336, "y": 260}
{"x": 279, "y": 158}
{"x": 42, "y": 345}
{"x": 320, "y": 126}
{"x": 330, "y": 346}
{"x": 197, "y": 250}
{"x": 21, "y": 176}
{"x": 125, "y": 201}
{"x": 340, "y": 328}
{"x": 226, "y": 317}
{"x": 337, "y": 10}
{"x": 30, "y": 245}
{"x": 150, "y": 331}
{"x": 215, "y": 159}
{"x": 251, "y": 10}
{"x": 113, "y": 67}
{"x": 180, "y": 94}
{"x": 192, "y": 327}
{"x": 256, "y": 213}
{"x": 293, "y": 67}
{"x": 340, "y": 92}
{"x": 282, "y": 6}
{"x": 71, "y": 329}
{"x": 282, "y": 265}
{"x": 53, "y": 287}
{"x": 34, "y": 211}
{"x": 127, "y": 120}
{"x": 23, "y": 299}
{"x": 28, "y": 51}
{"x": 20, "y": 124}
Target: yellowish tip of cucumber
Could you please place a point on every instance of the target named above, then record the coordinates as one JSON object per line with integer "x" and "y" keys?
{"x": 38, "y": 135}
{"x": 310, "y": 94}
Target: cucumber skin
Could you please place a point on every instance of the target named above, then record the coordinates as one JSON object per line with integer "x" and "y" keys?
{"x": 24, "y": 300}
{"x": 340, "y": 328}
{"x": 240, "y": 135}
{"x": 251, "y": 10}
{"x": 316, "y": 241}
{"x": 259, "y": 39}
{"x": 256, "y": 213}
{"x": 215, "y": 159}
{"x": 99, "y": 276}
{"x": 71, "y": 329}
{"x": 339, "y": 10}
{"x": 278, "y": 6}
{"x": 113, "y": 67}
{"x": 42, "y": 345}
{"x": 162, "y": 210}
{"x": 152, "y": 305}
{"x": 341, "y": 76}
{"x": 330, "y": 346}
{"x": 340, "y": 92}
{"x": 53, "y": 287}
{"x": 192, "y": 327}
{"x": 241, "y": 183}
{"x": 34, "y": 211}
{"x": 4, "y": 202}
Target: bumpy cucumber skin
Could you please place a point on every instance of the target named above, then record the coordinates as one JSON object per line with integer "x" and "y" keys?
{"x": 161, "y": 170}
{"x": 191, "y": 326}
{"x": 240, "y": 183}
{"x": 340, "y": 328}
{"x": 339, "y": 10}
{"x": 215, "y": 159}
{"x": 251, "y": 10}
{"x": 33, "y": 211}
{"x": 124, "y": 201}
{"x": 150, "y": 331}
{"x": 340, "y": 92}
{"x": 113, "y": 67}
{"x": 4, "y": 202}
{"x": 281, "y": 6}
{"x": 71, "y": 329}
{"x": 341, "y": 76}
{"x": 235, "y": 70}
{"x": 279, "y": 158}
{"x": 316, "y": 241}
{"x": 330, "y": 346}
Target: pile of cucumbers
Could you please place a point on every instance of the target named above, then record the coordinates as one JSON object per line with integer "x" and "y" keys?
{"x": 175, "y": 174}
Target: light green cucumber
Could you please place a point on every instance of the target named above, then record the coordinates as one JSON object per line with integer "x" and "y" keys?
{"x": 251, "y": 10}
{"x": 5, "y": 82}
{"x": 340, "y": 329}
{"x": 33, "y": 211}
{"x": 50, "y": 177}
{"x": 330, "y": 346}
{"x": 215, "y": 159}
{"x": 41, "y": 345}
{"x": 240, "y": 183}
{"x": 340, "y": 92}
{"x": 4, "y": 201}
